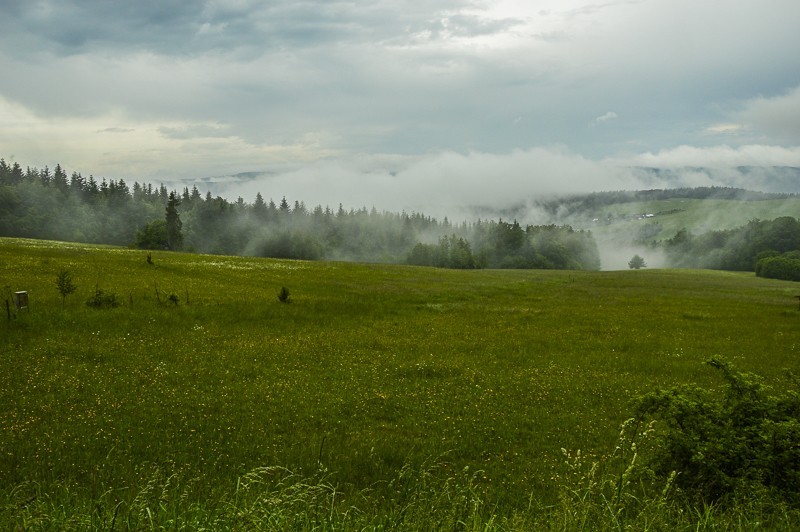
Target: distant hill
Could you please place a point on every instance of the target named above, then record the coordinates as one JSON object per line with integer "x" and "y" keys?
{"x": 696, "y": 209}
{"x": 628, "y": 222}
{"x": 779, "y": 179}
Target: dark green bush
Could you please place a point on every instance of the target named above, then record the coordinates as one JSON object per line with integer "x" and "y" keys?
{"x": 782, "y": 267}
{"x": 101, "y": 299}
{"x": 284, "y": 296}
{"x": 743, "y": 441}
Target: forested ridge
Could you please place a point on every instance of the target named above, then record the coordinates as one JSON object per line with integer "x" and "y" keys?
{"x": 50, "y": 204}
{"x": 588, "y": 204}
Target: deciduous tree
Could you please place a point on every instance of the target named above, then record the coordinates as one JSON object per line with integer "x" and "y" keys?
{"x": 65, "y": 285}
{"x": 636, "y": 263}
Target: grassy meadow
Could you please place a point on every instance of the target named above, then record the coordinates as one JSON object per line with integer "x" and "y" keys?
{"x": 372, "y": 377}
{"x": 698, "y": 216}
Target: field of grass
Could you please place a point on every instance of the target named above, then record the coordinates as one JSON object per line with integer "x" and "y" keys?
{"x": 369, "y": 372}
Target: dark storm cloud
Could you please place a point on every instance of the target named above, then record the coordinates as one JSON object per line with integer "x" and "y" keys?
{"x": 78, "y": 26}
{"x": 191, "y": 27}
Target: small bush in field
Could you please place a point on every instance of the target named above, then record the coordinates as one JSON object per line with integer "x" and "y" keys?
{"x": 101, "y": 299}
{"x": 723, "y": 446}
{"x": 283, "y": 295}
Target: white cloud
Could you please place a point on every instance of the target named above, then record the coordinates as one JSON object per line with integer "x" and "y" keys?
{"x": 777, "y": 117}
{"x": 141, "y": 150}
{"x": 443, "y": 184}
{"x": 724, "y": 129}
{"x": 452, "y": 184}
{"x": 715, "y": 157}
{"x": 611, "y": 115}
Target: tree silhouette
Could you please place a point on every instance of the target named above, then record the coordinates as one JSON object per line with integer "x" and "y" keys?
{"x": 636, "y": 263}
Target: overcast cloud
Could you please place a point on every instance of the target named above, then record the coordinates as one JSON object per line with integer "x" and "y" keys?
{"x": 402, "y": 104}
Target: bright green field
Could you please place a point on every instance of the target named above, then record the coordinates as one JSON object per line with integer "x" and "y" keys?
{"x": 367, "y": 369}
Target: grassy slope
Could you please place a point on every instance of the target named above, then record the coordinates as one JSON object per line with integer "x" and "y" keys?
{"x": 616, "y": 239}
{"x": 370, "y": 367}
{"x": 697, "y": 216}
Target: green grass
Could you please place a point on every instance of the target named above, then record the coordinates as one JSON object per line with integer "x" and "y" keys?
{"x": 371, "y": 371}
{"x": 695, "y": 215}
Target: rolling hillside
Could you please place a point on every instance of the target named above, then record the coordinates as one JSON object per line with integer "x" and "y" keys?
{"x": 621, "y": 229}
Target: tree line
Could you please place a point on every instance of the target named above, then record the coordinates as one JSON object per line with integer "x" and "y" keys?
{"x": 50, "y": 204}
{"x": 770, "y": 248}
{"x": 736, "y": 249}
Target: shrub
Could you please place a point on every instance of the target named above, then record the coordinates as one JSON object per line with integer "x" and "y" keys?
{"x": 283, "y": 295}
{"x": 723, "y": 446}
{"x": 782, "y": 267}
{"x": 100, "y": 299}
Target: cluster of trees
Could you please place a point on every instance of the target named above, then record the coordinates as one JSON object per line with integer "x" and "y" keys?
{"x": 508, "y": 245}
{"x": 735, "y": 249}
{"x": 52, "y": 205}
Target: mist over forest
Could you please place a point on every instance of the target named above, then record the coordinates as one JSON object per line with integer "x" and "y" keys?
{"x": 51, "y": 205}
{"x": 580, "y": 232}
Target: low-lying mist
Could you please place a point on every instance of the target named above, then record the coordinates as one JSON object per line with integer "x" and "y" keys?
{"x": 508, "y": 208}
{"x": 522, "y": 185}
{"x": 464, "y": 186}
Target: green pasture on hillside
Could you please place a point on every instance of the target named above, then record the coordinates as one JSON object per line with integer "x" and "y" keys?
{"x": 367, "y": 369}
{"x": 697, "y": 216}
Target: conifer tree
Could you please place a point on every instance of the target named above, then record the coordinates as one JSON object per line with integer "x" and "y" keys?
{"x": 60, "y": 179}
{"x": 260, "y": 208}
{"x": 174, "y": 225}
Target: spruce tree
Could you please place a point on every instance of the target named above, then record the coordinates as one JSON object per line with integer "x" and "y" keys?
{"x": 260, "y": 208}
{"x": 174, "y": 225}
{"x": 59, "y": 179}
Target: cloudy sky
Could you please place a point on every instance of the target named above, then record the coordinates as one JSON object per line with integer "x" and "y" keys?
{"x": 401, "y": 103}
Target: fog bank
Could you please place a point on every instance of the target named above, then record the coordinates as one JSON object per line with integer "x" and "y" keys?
{"x": 463, "y": 185}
